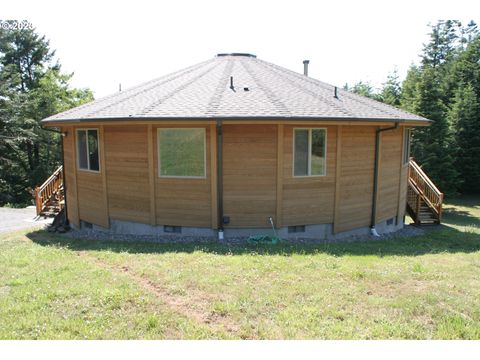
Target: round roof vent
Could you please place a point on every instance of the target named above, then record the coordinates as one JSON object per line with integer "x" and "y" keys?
{"x": 237, "y": 54}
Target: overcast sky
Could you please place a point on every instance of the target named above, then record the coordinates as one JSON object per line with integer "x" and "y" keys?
{"x": 106, "y": 43}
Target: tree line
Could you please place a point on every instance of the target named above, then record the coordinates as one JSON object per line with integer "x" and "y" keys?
{"x": 443, "y": 87}
{"x": 32, "y": 87}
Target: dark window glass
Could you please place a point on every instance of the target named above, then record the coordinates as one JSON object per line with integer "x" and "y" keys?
{"x": 93, "y": 149}
{"x": 318, "y": 152}
{"x": 87, "y": 148}
{"x": 301, "y": 152}
{"x": 406, "y": 146}
{"x": 82, "y": 149}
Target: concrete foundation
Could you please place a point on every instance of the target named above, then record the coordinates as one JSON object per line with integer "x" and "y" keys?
{"x": 313, "y": 233}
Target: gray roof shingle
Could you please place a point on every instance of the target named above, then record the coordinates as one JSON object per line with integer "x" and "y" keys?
{"x": 203, "y": 91}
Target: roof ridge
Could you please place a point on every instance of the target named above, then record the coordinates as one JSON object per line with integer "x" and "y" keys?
{"x": 151, "y": 106}
{"x": 267, "y": 91}
{"x": 314, "y": 94}
{"x": 126, "y": 91}
{"x": 158, "y": 82}
{"x": 378, "y": 105}
{"x": 214, "y": 101}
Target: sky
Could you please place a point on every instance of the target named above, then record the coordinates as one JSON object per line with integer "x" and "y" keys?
{"x": 107, "y": 43}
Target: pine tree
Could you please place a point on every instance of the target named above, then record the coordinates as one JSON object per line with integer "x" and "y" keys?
{"x": 408, "y": 93}
{"x": 465, "y": 117}
{"x": 433, "y": 146}
{"x": 391, "y": 90}
{"x": 31, "y": 88}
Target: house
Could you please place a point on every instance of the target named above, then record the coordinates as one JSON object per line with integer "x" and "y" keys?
{"x": 235, "y": 144}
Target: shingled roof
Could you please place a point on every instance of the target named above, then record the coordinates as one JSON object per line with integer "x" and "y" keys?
{"x": 261, "y": 90}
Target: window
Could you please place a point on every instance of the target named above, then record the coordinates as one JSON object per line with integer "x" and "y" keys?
{"x": 309, "y": 152}
{"x": 181, "y": 152}
{"x": 296, "y": 229}
{"x": 87, "y": 149}
{"x": 406, "y": 145}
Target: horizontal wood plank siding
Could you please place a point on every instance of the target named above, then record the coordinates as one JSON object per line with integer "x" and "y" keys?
{"x": 70, "y": 176}
{"x": 183, "y": 201}
{"x": 127, "y": 173}
{"x": 308, "y": 200}
{"x": 389, "y": 174}
{"x": 90, "y": 190}
{"x": 356, "y": 178}
{"x": 249, "y": 174}
{"x": 91, "y": 200}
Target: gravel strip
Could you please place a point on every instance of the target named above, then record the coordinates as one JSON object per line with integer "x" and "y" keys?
{"x": 88, "y": 234}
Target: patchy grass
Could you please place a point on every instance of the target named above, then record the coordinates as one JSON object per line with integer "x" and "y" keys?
{"x": 428, "y": 287}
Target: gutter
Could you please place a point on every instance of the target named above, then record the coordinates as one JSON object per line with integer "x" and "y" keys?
{"x": 378, "y": 132}
{"x": 53, "y": 122}
{"x": 62, "y": 134}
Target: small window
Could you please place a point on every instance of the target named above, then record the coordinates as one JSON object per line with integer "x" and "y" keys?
{"x": 296, "y": 229}
{"x": 87, "y": 149}
{"x": 309, "y": 152}
{"x": 181, "y": 152}
{"x": 172, "y": 229}
{"x": 406, "y": 145}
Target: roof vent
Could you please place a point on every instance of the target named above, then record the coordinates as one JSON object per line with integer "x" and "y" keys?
{"x": 237, "y": 54}
{"x": 305, "y": 67}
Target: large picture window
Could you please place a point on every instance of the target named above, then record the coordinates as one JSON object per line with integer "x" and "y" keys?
{"x": 181, "y": 152}
{"x": 309, "y": 152}
{"x": 87, "y": 149}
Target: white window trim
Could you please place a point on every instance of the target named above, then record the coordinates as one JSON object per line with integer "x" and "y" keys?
{"x": 204, "y": 155}
{"x": 88, "y": 152}
{"x": 309, "y": 159}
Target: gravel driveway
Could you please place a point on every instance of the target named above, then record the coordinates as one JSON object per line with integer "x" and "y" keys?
{"x": 16, "y": 219}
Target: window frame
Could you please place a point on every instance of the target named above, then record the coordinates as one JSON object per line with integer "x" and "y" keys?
{"x": 88, "y": 157}
{"x": 406, "y": 146}
{"x": 309, "y": 155}
{"x": 159, "y": 162}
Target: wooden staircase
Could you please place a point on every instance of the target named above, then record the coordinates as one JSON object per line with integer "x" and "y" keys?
{"x": 424, "y": 200}
{"x": 50, "y": 197}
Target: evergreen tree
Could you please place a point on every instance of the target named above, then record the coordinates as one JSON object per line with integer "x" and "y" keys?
{"x": 465, "y": 117}
{"x": 364, "y": 89}
{"x": 433, "y": 146}
{"x": 31, "y": 88}
{"x": 391, "y": 90}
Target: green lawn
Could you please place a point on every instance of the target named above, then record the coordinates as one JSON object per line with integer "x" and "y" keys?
{"x": 428, "y": 287}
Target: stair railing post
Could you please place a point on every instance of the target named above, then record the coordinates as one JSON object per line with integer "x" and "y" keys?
{"x": 417, "y": 210}
{"x": 38, "y": 201}
{"x": 439, "y": 209}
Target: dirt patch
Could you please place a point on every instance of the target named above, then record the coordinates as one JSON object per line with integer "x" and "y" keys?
{"x": 195, "y": 307}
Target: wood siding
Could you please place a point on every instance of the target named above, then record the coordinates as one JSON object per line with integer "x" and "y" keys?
{"x": 356, "y": 178}
{"x": 126, "y": 154}
{"x": 70, "y": 176}
{"x": 184, "y": 201}
{"x": 389, "y": 174}
{"x": 249, "y": 174}
{"x": 258, "y": 180}
{"x": 308, "y": 200}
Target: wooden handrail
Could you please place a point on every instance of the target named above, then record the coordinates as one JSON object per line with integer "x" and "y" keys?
{"x": 419, "y": 170}
{"x": 51, "y": 186}
{"x": 426, "y": 188}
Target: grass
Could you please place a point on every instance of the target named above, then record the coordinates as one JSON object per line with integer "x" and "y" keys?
{"x": 428, "y": 287}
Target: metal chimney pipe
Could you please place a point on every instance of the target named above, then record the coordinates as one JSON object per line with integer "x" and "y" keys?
{"x": 305, "y": 67}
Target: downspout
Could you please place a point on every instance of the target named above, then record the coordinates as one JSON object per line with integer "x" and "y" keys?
{"x": 62, "y": 134}
{"x": 220, "y": 179}
{"x": 373, "y": 231}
